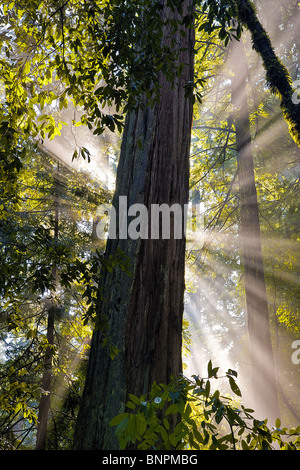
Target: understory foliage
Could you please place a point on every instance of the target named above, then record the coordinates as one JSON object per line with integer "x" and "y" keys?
{"x": 49, "y": 260}
{"x": 207, "y": 419}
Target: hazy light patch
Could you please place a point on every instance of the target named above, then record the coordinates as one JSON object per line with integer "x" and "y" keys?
{"x": 101, "y": 148}
{"x": 212, "y": 332}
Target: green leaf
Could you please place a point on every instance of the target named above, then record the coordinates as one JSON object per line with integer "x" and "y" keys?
{"x": 278, "y": 423}
{"x": 172, "y": 409}
{"x": 26, "y": 68}
{"x": 245, "y": 445}
{"x": 164, "y": 435}
{"x": 209, "y": 368}
{"x": 187, "y": 411}
{"x": 207, "y": 388}
{"x": 113, "y": 351}
{"x": 122, "y": 426}
{"x": 141, "y": 424}
{"x": 173, "y": 440}
{"x": 234, "y": 387}
{"x": 118, "y": 419}
{"x": 166, "y": 424}
{"x": 232, "y": 372}
{"x": 198, "y": 436}
{"x": 131, "y": 405}
{"x": 134, "y": 399}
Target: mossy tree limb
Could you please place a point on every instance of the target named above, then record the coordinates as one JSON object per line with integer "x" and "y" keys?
{"x": 278, "y": 78}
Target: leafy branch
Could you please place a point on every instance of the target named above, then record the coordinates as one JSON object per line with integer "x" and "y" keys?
{"x": 149, "y": 422}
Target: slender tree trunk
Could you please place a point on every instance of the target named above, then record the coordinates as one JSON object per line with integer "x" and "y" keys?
{"x": 144, "y": 311}
{"x": 44, "y": 405}
{"x": 262, "y": 361}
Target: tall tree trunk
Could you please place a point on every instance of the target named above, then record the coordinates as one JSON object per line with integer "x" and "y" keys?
{"x": 144, "y": 311}
{"x": 262, "y": 361}
{"x": 44, "y": 405}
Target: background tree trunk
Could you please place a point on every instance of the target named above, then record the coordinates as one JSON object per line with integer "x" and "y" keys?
{"x": 144, "y": 311}
{"x": 44, "y": 405}
{"x": 261, "y": 352}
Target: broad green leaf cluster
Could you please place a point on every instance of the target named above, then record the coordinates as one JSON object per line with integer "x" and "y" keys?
{"x": 205, "y": 419}
{"x": 96, "y": 54}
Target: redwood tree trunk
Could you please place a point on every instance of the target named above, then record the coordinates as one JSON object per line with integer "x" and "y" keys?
{"x": 144, "y": 311}
{"x": 261, "y": 353}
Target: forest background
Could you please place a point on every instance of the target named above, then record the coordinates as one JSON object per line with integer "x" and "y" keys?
{"x": 51, "y": 255}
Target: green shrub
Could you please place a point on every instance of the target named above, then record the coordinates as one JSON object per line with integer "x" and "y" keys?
{"x": 205, "y": 419}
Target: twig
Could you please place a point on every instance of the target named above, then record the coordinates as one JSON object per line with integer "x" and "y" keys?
{"x": 59, "y": 9}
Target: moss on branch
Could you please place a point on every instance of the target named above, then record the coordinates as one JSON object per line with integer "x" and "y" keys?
{"x": 278, "y": 78}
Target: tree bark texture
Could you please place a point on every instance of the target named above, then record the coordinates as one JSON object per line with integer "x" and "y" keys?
{"x": 145, "y": 310}
{"x": 261, "y": 353}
